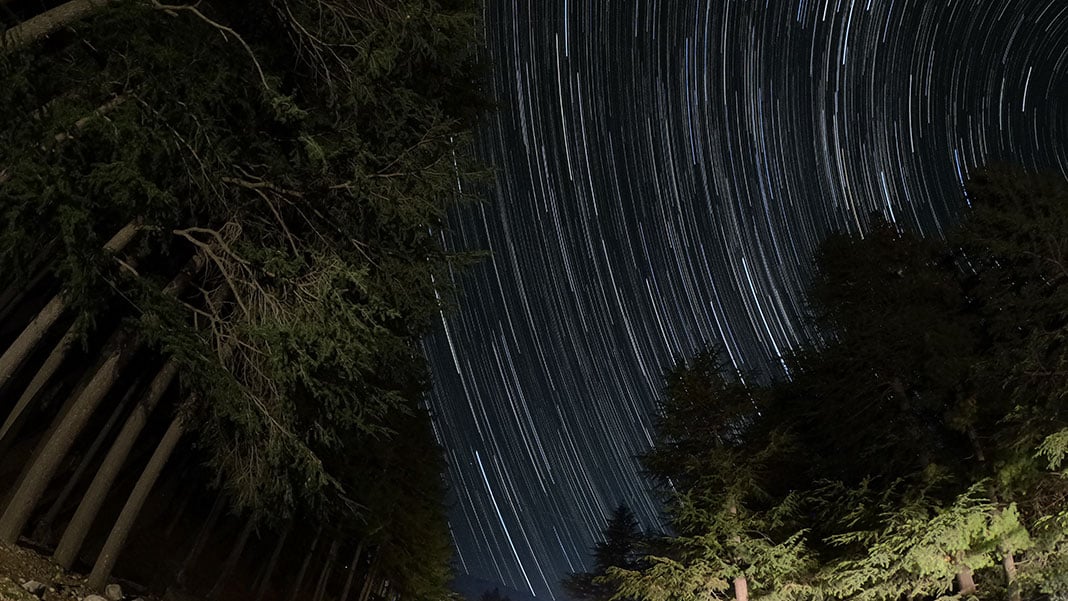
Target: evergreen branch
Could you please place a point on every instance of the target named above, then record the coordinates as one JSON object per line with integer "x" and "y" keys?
{"x": 173, "y": 8}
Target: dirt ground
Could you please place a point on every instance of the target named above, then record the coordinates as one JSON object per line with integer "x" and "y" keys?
{"x": 17, "y": 565}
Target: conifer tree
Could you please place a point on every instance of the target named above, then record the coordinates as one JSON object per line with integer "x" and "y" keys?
{"x": 621, "y": 546}
{"x": 304, "y": 153}
{"x": 736, "y": 529}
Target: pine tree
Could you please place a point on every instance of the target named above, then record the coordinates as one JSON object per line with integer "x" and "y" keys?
{"x": 621, "y": 546}
{"x": 716, "y": 461}
{"x": 304, "y": 153}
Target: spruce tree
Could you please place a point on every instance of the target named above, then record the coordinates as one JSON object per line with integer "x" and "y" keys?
{"x": 621, "y": 546}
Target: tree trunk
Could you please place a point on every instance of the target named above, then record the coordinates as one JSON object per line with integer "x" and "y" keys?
{"x": 15, "y": 419}
{"x": 369, "y": 579}
{"x": 966, "y": 581}
{"x": 57, "y": 419}
{"x": 16, "y": 292}
{"x": 324, "y": 575}
{"x": 52, "y": 450}
{"x": 117, "y": 539}
{"x": 201, "y": 540}
{"x": 1009, "y": 564}
{"x": 352, "y": 573}
{"x": 299, "y": 580}
{"x": 268, "y": 571}
{"x": 741, "y": 588}
{"x": 977, "y": 448}
{"x": 99, "y": 111}
{"x": 232, "y": 559}
{"x": 34, "y": 29}
{"x": 20, "y": 349}
{"x": 79, "y": 525}
{"x": 43, "y": 532}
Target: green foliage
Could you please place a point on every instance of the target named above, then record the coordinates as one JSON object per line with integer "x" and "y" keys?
{"x": 918, "y": 448}
{"x": 1054, "y": 448}
{"x": 307, "y": 152}
{"x": 920, "y": 546}
{"x": 621, "y": 548}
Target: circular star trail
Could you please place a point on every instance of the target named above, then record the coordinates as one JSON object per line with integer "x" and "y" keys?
{"x": 664, "y": 170}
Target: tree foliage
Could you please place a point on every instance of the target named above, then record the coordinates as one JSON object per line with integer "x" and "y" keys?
{"x": 917, "y": 452}
{"x": 303, "y": 154}
{"x": 621, "y": 547}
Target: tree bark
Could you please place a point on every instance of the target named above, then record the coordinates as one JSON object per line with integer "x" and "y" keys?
{"x": 352, "y": 573}
{"x": 324, "y": 575}
{"x": 369, "y": 579}
{"x": 52, "y": 450}
{"x": 79, "y": 525}
{"x": 1009, "y": 564}
{"x": 20, "y": 349}
{"x": 16, "y": 292}
{"x": 43, "y": 532}
{"x": 76, "y": 413}
{"x": 17, "y": 417}
{"x": 99, "y": 111}
{"x": 59, "y": 418}
{"x": 268, "y": 571}
{"x": 977, "y": 448}
{"x": 966, "y": 581}
{"x": 117, "y": 539}
{"x": 299, "y": 580}
{"x": 741, "y": 588}
{"x": 201, "y": 540}
{"x": 232, "y": 559}
{"x": 34, "y": 29}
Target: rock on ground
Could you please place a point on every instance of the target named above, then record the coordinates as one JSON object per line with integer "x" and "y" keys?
{"x": 35, "y": 588}
{"x": 11, "y": 591}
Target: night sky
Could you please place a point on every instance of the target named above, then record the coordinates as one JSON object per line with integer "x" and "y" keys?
{"x": 664, "y": 170}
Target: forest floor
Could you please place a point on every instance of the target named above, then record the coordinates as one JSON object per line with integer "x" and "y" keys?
{"x": 18, "y": 565}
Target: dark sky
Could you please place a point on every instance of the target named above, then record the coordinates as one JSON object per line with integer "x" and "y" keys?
{"x": 664, "y": 171}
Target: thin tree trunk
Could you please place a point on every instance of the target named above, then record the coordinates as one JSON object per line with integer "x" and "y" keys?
{"x": 20, "y": 349}
{"x": 58, "y": 419}
{"x": 265, "y": 582}
{"x": 741, "y": 588}
{"x": 117, "y": 539}
{"x": 977, "y": 448}
{"x": 966, "y": 581}
{"x": 79, "y": 525}
{"x": 52, "y": 450}
{"x": 324, "y": 575}
{"x": 201, "y": 540}
{"x": 39, "y": 473}
{"x": 99, "y": 111}
{"x": 352, "y": 573}
{"x": 299, "y": 580}
{"x": 1009, "y": 564}
{"x": 369, "y": 579}
{"x": 15, "y": 293}
{"x": 34, "y": 29}
{"x": 12, "y": 436}
{"x": 232, "y": 559}
{"x": 12, "y": 425}
{"x": 43, "y": 532}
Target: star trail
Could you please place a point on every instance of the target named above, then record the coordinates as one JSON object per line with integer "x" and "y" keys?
{"x": 663, "y": 172}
